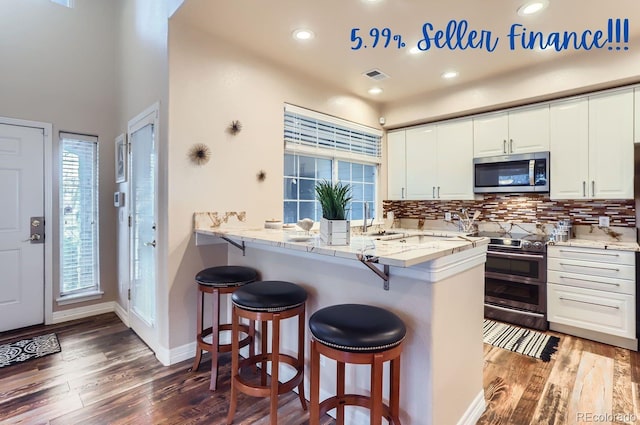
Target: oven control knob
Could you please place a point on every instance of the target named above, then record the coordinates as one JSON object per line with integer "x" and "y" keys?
{"x": 538, "y": 246}
{"x": 526, "y": 244}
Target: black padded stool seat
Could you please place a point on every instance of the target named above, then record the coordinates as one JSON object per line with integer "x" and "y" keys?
{"x": 217, "y": 281}
{"x": 227, "y": 276}
{"x": 357, "y": 334}
{"x": 268, "y": 301}
{"x": 357, "y": 327}
{"x": 270, "y": 296}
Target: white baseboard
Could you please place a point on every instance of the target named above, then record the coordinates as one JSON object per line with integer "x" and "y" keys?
{"x": 82, "y": 312}
{"x": 474, "y": 411}
{"x": 122, "y": 314}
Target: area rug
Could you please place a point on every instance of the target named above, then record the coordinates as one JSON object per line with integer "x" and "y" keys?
{"x": 27, "y": 349}
{"x": 519, "y": 340}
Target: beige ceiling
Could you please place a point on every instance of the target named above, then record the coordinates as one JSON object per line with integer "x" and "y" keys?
{"x": 265, "y": 27}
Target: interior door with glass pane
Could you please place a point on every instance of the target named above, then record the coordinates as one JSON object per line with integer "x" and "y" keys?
{"x": 143, "y": 213}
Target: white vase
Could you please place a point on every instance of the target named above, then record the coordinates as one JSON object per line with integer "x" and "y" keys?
{"x": 335, "y": 232}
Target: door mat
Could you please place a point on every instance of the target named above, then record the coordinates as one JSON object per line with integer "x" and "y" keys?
{"x": 27, "y": 349}
{"x": 520, "y": 340}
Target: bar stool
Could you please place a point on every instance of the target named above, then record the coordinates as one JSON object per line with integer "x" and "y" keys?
{"x": 218, "y": 281}
{"x": 358, "y": 334}
{"x": 268, "y": 301}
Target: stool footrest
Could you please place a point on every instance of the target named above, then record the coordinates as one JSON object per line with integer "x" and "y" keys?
{"x": 265, "y": 390}
{"x": 222, "y": 348}
{"x": 355, "y": 400}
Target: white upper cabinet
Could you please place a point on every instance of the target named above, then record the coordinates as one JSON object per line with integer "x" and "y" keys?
{"x": 529, "y": 129}
{"x": 592, "y": 147}
{"x": 421, "y": 162}
{"x": 519, "y": 131}
{"x": 455, "y": 160}
{"x": 396, "y": 165}
{"x": 490, "y": 135}
{"x": 431, "y": 162}
{"x": 611, "y": 145}
{"x": 569, "y": 145}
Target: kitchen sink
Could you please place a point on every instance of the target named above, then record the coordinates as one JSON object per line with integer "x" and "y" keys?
{"x": 378, "y": 233}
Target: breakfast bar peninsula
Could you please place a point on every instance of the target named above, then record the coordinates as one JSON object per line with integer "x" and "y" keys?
{"x": 434, "y": 281}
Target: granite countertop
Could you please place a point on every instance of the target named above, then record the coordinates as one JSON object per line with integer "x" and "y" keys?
{"x": 405, "y": 248}
{"x": 599, "y": 244}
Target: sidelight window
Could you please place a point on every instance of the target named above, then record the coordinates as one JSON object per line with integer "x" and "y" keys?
{"x": 79, "y": 266}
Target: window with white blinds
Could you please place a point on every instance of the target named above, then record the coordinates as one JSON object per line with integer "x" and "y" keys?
{"x": 79, "y": 266}
{"x": 306, "y": 131}
{"x": 321, "y": 147}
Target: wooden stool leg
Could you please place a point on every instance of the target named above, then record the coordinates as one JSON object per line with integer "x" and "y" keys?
{"x": 235, "y": 354}
{"x": 376, "y": 390}
{"x": 314, "y": 400}
{"x": 215, "y": 338}
{"x": 252, "y": 343}
{"x": 394, "y": 391}
{"x": 263, "y": 341}
{"x": 340, "y": 377}
{"x": 301, "y": 331}
{"x": 275, "y": 367}
{"x": 196, "y": 361}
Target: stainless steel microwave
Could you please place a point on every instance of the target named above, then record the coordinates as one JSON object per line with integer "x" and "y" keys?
{"x": 528, "y": 172}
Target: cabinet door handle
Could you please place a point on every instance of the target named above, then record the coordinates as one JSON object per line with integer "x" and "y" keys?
{"x": 607, "y": 254}
{"x": 510, "y": 145}
{"x": 587, "y": 302}
{"x": 588, "y": 280}
{"x": 593, "y": 188}
{"x": 438, "y": 192}
{"x": 584, "y": 188}
{"x": 591, "y": 267}
{"x": 402, "y": 193}
{"x": 504, "y": 146}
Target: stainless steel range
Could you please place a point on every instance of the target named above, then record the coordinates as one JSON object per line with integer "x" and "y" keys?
{"x": 516, "y": 279}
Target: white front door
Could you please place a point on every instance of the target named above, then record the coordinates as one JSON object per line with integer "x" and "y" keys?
{"x": 143, "y": 211}
{"x": 21, "y": 254}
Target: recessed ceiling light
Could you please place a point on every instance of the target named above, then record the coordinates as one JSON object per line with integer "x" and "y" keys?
{"x": 375, "y": 90}
{"x": 303, "y": 34}
{"x": 532, "y": 7}
{"x": 450, "y": 74}
{"x": 414, "y": 50}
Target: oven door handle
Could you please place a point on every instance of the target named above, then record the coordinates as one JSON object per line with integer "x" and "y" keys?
{"x": 510, "y": 310}
{"x": 515, "y": 255}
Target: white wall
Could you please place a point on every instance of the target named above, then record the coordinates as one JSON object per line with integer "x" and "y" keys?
{"x": 59, "y": 66}
{"x": 573, "y": 75}
{"x": 211, "y": 84}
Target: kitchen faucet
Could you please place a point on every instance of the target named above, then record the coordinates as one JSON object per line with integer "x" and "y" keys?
{"x": 364, "y": 219}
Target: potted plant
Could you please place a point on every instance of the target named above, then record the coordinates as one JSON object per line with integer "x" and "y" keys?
{"x": 335, "y": 229}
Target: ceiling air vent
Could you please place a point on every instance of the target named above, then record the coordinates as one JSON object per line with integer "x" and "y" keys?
{"x": 376, "y": 74}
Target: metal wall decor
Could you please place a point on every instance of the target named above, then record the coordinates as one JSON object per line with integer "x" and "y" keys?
{"x": 199, "y": 154}
{"x": 235, "y": 127}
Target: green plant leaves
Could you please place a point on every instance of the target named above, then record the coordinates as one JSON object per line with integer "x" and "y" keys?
{"x": 333, "y": 199}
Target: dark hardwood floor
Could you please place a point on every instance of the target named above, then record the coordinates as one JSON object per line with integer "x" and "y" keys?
{"x": 106, "y": 375}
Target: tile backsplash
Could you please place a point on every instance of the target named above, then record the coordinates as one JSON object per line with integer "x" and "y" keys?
{"x": 522, "y": 208}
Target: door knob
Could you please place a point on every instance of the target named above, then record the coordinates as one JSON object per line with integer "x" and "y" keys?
{"x": 153, "y": 244}
{"x": 32, "y": 238}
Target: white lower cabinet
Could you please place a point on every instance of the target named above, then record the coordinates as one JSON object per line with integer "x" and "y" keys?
{"x": 591, "y": 293}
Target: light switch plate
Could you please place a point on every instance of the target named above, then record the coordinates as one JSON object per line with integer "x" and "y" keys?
{"x": 603, "y": 221}
{"x": 447, "y": 216}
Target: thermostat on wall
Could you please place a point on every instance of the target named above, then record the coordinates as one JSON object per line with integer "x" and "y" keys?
{"x": 118, "y": 199}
